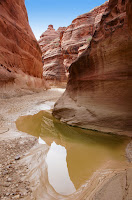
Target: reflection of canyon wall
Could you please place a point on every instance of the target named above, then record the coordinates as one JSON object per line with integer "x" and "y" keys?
{"x": 76, "y": 146}
{"x": 20, "y": 54}
{"x": 99, "y": 90}
{"x": 60, "y": 48}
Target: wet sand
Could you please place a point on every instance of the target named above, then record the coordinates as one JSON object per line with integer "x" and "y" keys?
{"x": 23, "y": 170}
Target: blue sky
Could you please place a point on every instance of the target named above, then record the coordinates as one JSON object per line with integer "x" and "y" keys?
{"x": 41, "y": 13}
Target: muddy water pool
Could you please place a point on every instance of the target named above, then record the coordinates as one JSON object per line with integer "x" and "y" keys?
{"x": 75, "y": 153}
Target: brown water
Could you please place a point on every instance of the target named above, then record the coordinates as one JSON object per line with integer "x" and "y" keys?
{"x": 75, "y": 154}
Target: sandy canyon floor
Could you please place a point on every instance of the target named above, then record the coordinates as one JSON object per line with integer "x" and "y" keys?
{"x": 23, "y": 171}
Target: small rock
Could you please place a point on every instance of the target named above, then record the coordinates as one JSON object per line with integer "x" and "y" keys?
{"x": 17, "y": 157}
{"x": 16, "y": 197}
{"x": 8, "y": 167}
{"x": 5, "y": 172}
{"x": 13, "y": 194}
{"x": 24, "y": 194}
{"x": 20, "y": 181}
{"x": 6, "y": 184}
{"x": 7, "y": 194}
{"x": 9, "y": 180}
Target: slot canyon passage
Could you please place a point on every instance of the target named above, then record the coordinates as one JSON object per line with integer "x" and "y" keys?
{"x": 65, "y": 105}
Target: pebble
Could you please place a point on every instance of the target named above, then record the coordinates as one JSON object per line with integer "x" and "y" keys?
{"x": 7, "y": 194}
{"x": 8, "y": 167}
{"x": 20, "y": 181}
{"x": 13, "y": 194}
{"x": 7, "y": 185}
{"x": 17, "y": 157}
{"x": 16, "y": 197}
{"x": 5, "y": 172}
{"x": 9, "y": 180}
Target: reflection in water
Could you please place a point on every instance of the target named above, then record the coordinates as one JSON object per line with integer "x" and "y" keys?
{"x": 41, "y": 141}
{"x": 75, "y": 154}
{"x": 56, "y": 161}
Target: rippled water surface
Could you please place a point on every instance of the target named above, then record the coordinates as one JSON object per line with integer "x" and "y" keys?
{"x": 74, "y": 153}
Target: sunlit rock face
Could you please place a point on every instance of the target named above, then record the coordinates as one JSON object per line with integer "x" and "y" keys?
{"x": 20, "y": 53}
{"x": 49, "y": 35}
{"x": 50, "y": 43}
{"x": 78, "y": 35}
{"x": 60, "y": 48}
{"x": 99, "y": 89}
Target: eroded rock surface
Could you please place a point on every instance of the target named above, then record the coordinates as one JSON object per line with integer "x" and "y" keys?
{"x": 20, "y": 54}
{"x": 60, "y": 48}
{"x": 78, "y": 35}
{"x": 50, "y": 43}
{"x": 99, "y": 94}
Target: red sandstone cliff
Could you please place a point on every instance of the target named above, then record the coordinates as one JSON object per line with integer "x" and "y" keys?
{"x": 60, "y": 48}
{"x": 99, "y": 89}
{"x": 20, "y": 54}
{"x": 47, "y": 37}
{"x": 50, "y": 43}
{"x": 77, "y": 36}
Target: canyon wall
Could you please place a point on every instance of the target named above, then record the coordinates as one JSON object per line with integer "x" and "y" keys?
{"x": 60, "y": 48}
{"x": 77, "y": 36}
{"x": 99, "y": 90}
{"x": 50, "y": 43}
{"x": 20, "y": 54}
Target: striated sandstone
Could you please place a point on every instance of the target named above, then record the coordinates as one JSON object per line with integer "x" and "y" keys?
{"x": 49, "y": 35}
{"x": 20, "y": 54}
{"x": 77, "y": 36}
{"x": 60, "y": 48}
{"x": 50, "y": 43}
{"x": 99, "y": 90}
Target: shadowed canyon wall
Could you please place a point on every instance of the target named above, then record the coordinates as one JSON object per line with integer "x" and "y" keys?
{"x": 20, "y": 54}
{"x": 60, "y": 48}
{"x": 99, "y": 90}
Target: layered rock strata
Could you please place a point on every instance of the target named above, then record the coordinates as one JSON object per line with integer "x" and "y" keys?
{"x": 77, "y": 36}
{"x": 50, "y": 43}
{"x": 20, "y": 54}
{"x": 99, "y": 90}
{"x": 60, "y": 48}
{"x": 48, "y": 36}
